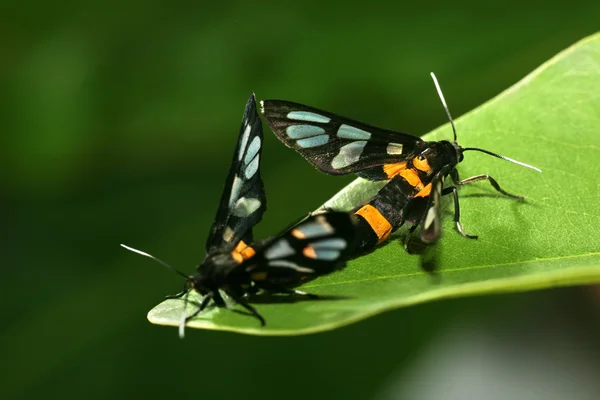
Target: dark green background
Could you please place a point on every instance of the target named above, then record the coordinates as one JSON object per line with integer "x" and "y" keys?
{"x": 117, "y": 126}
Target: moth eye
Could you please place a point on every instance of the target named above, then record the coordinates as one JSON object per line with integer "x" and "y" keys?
{"x": 421, "y": 157}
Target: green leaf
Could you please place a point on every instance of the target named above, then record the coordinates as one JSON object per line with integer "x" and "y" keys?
{"x": 550, "y": 119}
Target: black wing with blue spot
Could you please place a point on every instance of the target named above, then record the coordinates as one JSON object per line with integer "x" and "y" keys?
{"x": 334, "y": 144}
{"x": 243, "y": 201}
{"x": 316, "y": 246}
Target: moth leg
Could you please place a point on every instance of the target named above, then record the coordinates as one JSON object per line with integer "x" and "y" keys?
{"x": 178, "y": 295}
{"x": 248, "y": 307}
{"x": 216, "y": 296}
{"x": 452, "y": 189}
{"x": 483, "y": 177}
{"x": 408, "y": 235}
{"x": 201, "y": 307}
{"x": 252, "y": 290}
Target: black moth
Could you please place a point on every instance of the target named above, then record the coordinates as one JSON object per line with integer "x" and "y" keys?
{"x": 416, "y": 169}
{"x": 237, "y": 266}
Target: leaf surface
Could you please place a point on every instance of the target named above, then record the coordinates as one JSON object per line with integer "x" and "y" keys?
{"x": 550, "y": 119}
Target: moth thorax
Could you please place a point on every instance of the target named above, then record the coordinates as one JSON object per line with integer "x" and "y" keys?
{"x": 214, "y": 270}
{"x": 443, "y": 153}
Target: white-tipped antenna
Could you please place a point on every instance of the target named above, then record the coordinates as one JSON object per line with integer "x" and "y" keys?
{"x": 439, "y": 90}
{"x": 502, "y": 157}
{"x": 182, "y": 326}
{"x": 521, "y": 163}
{"x": 155, "y": 259}
{"x": 183, "y": 317}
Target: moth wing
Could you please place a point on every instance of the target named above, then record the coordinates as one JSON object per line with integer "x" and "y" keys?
{"x": 318, "y": 245}
{"x": 430, "y": 221}
{"x": 244, "y": 200}
{"x": 334, "y": 144}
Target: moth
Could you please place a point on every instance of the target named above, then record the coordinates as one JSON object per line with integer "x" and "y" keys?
{"x": 234, "y": 263}
{"x": 415, "y": 169}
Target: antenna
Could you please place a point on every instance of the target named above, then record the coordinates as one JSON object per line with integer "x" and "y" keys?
{"x": 183, "y": 317}
{"x": 439, "y": 90}
{"x": 155, "y": 259}
{"x": 502, "y": 157}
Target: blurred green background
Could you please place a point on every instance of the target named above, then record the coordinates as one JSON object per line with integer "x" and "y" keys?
{"x": 118, "y": 124}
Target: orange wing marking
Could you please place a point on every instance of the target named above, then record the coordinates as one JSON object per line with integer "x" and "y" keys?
{"x": 392, "y": 170}
{"x": 242, "y": 252}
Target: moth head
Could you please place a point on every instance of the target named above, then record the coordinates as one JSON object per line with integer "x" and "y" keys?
{"x": 198, "y": 282}
{"x": 459, "y": 151}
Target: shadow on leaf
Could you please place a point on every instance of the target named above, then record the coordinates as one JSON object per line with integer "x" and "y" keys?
{"x": 268, "y": 298}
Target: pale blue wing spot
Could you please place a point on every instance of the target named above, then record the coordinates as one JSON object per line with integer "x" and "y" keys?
{"x": 308, "y": 116}
{"x": 252, "y": 150}
{"x": 313, "y": 141}
{"x": 315, "y": 229}
{"x": 335, "y": 243}
{"x": 244, "y": 141}
{"x": 351, "y": 132}
{"x": 349, "y": 154}
{"x": 328, "y": 255}
{"x": 303, "y": 131}
{"x": 279, "y": 249}
{"x": 252, "y": 167}
{"x": 245, "y": 207}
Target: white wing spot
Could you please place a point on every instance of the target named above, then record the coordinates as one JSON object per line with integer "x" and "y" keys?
{"x": 349, "y": 154}
{"x": 279, "y": 249}
{"x": 235, "y": 190}
{"x": 394, "y": 148}
{"x": 430, "y": 217}
{"x": 245, "y": 137}
{"x": 227, "y": 234}
{"x": 289, "y": 264}
{"x": 244, "y": 207}
{"x": 351, "y": 132}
